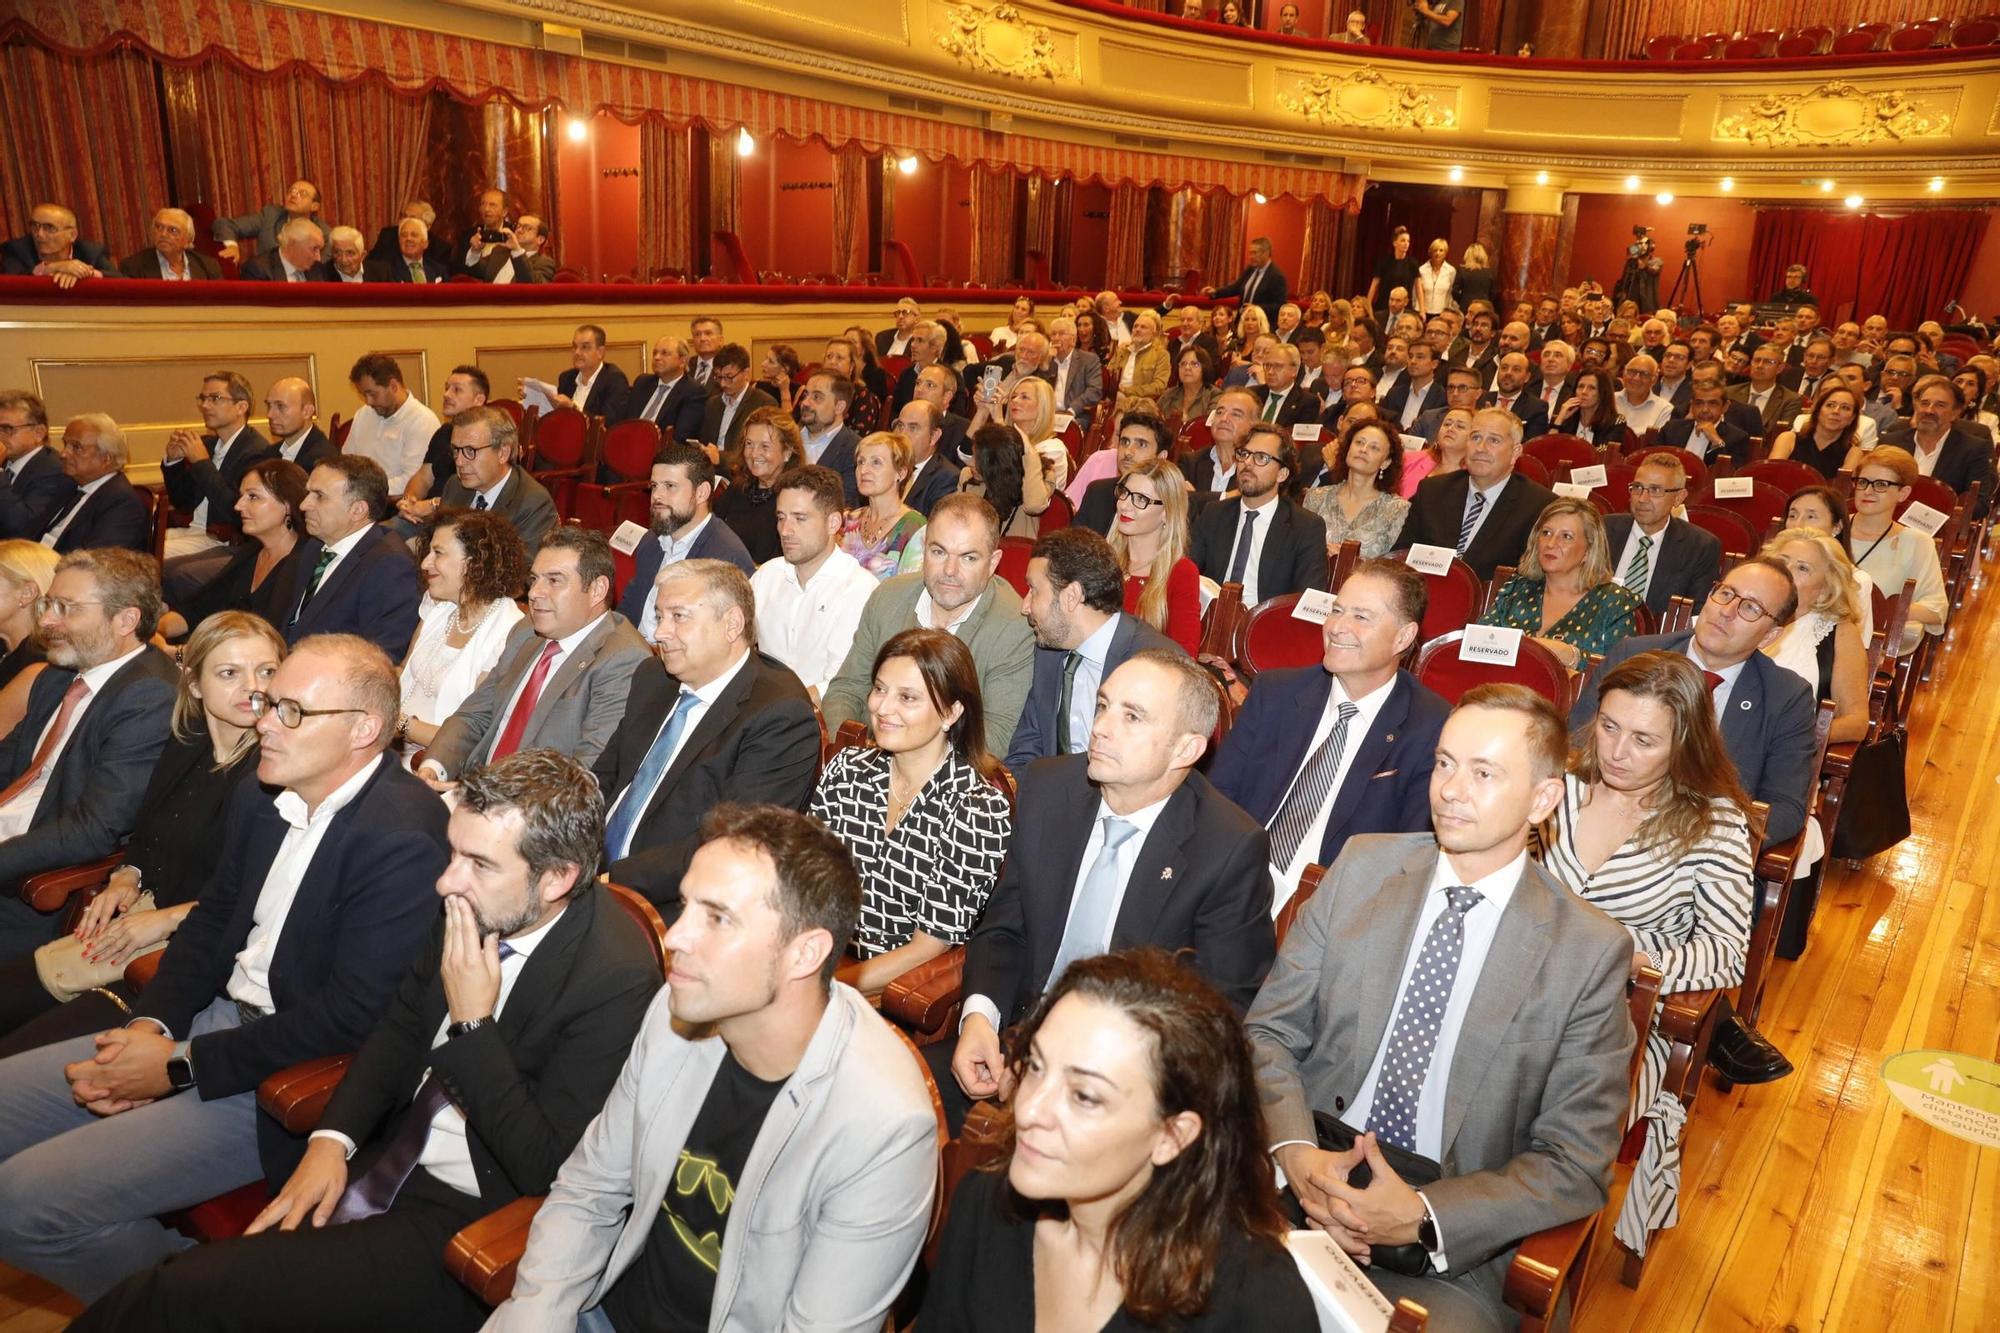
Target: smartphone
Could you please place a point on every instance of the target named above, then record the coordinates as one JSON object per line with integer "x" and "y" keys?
{"x": 991, "y": 381}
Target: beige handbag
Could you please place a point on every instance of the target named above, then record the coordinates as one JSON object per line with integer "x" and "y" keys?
{"x": 64, "y": 971}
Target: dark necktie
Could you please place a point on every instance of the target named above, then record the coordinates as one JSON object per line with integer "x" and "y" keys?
{"x": 1070, "y": 664}
{"x": 1241, "y": 562}
{"x": 373, "y": 1192}
{"x": 326, "y": 557}
{"x": 1309, "y": 793}
{"x": 1413, "y": 1036}
{"x": 1471, "y": 521}
{"x": 479, "y": 501}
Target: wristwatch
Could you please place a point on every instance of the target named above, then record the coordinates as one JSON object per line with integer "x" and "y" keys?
{"x": 180, "y": 1068}
{"x": 1427, "y": 1230}
{"x": 469, "y": 1025}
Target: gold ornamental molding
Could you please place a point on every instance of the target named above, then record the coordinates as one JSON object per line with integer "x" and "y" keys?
{"x": 1369, "y": 99}
{"x": 999, "y": 39}
{"x": 1836, "y": 112}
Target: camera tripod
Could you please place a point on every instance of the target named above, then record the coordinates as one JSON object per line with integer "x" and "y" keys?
{"x": 1689, "y": 280}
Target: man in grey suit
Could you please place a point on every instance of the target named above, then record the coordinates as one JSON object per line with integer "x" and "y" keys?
{"x": 484, "y": 444}
{"x": 564, "y": 675}
{"x": 956, "y": 591}
{"x": 262, "y": 226}
{"x": 1442, "y": 995}
{"x": 1079, "y": 376}
{"x": 1076, "y": 607}
{"x": 769, "y": 1153}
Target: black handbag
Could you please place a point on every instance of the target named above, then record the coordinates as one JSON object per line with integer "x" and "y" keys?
{"x": 1875, "y": 811}
{"x": 1416, "y": 1171}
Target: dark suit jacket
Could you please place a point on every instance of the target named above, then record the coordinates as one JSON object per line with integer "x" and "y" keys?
{"x": 718, "y": 541}
{"x": 1397, "y": 399}
{"x": 314, "y": 449}
{"x": 758, "y": 742}
{"x": 1099, "y": 509}
{"x": 387, "y": 249}
{"x": 115, "y": 514}
{"x": 711, "y": 419}
{"x": 937, "y": 478}
{"x": 1735, "y": 443}
{"x": 29, "y": 501}
{"x": 839, "y": 455}
{"x": 188, "y": 484}
{"x": 1300, "y": 405}
{"x": 529, "y": 1081}
{"x": 1438, "y": 509}
{"x": 953, "y": 445}
{"x": 373, "y": 592}
{"x": 19, "y": 255}
{"x": 1035, "y": 734}
{"x": 1532, "y": 411}
{"x": 523, "y": 501}
{"x": 1201, "y": 881}
{"x": 1779, "y": 408}
{"x": 1686, "y": 561}
{"x": 1294, "y": 557}
{"x": 1767, "y": 727}
{"x": 1962, "y": 460}
{"x": 1388, "y": 786}
{"x": 1271, "y": 292}
{"x": 92, "y": 798}
{"x": 607, "y": 394}
{"x": 360, "y": 912}
{"x": 394, "y": 268}
{"x": 680, "y": 413}
{"x": 146, "y": 264}
{"x": 270, "y": 267}
{"x": 1682, "y": 395}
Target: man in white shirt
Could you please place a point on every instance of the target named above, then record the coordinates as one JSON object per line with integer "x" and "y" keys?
{"x": 1638, "y": 406}
{"x": 809, "y": 600}
{"x": 396, "y": 429}
{"x": 592, "y": 385}
{"x": 172, "y": 256}
{"x": 683, "y": 528}
{"x": 1443, "y": 995}
{"x": 1395, "y": 364}
{"x": 349, "y": 250}
{"x": 1112, "y": 312}
{"x": 202, "y": 472}
{"x": 321, "y": 899}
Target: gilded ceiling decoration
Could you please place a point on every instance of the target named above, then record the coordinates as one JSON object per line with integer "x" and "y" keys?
{"x": 1834, "y": 113}
{"x": 1368, "y": 98}
{"x": 999, "y": 39}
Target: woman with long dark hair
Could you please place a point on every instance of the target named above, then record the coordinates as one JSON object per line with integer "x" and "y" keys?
{"x": 1591, "y": 412}
{"x": 1826, "y": 442}
{"x": 1133, "y": 1187}
{"x": 1008, "y": 474}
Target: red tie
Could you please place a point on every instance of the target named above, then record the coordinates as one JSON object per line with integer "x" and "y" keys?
{"x": 51, "y": 743}
{"x": 1712, "y": 679}
{"x": 524, "y": 707}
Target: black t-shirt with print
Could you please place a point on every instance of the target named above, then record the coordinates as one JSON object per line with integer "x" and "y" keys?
{"x": 671, "y": 1285}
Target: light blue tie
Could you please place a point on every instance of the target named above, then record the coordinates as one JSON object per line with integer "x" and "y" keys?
{"x": 1089, "y": 925}
{"x": 639, "y": 792}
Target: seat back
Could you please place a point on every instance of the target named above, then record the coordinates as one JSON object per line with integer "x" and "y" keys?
{"x": 1765, "y": 503}
{"x": 1455, "y": 598}
{"x": 1857, "y": 42}
{"x": 1195, "y": 436}
{"x": 1930, "y": 491}
{"x": 647, "y": 918}
{"x": 1060, "y": 514}
{"x": 1691, "y": 463}
{"x": 1534, "y": 469}
{"x": 561, "y": 438}
{"x": 629, "y": 448}
{"x": 512, "y": 407}
{"x": 1612, "y": 494}
{"x": 1787, "y": 474}
{"x": 1679, "y": 616}
{"x": 1557, "y": 452}
{"x": 1920, "y": 36}
{"x": 1309, "y": 882}
{"x": 1440, "y": 668}
{"x": 1739, "y": 537}
{"x": 1014, "y": 552}
{"x": 1975, "y": 32}
{"x": 1271, "y": 636}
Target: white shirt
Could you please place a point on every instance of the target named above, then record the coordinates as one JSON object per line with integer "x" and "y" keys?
{"x": 580, "y": 395}
{"x": 1091, "y": 654}
{"x": 167, "y": 270}
{"x": 1927, "y": 459}
{"x": 810, "y": 627}
{"x": 250, "y": 981}
{"x": 1391, "y": 377}
{"x": 1142, "y": 821}
{"x": 1723, "y": 688}
{"x": 398, "y": 441}
{"x": 1062, "y": 380}
{"x": 288, "y": 449}
{"x": 356, "y": 276}
{"x": 15, "y": 465}
{"x": 816, "y": 444}
{"x": 673, "y": 550}
{"x": 1221, "y": 479}
{"x": 1413, "y": 406}
{"x": 492, "y": 493}
{"x": 198, "y": 520}
{"x": 1118, "y": 329}
{"x": 1433, "y": 291}
{"x": 729, "y": 406}
{"x": 924, "y": 611}
{"x": 705, "y": 697}
{"x": 83, "y": 494}
{"x": 1624, "y": 560}
{"x": 1639, "y": 418}
{"x": 19, "y": 813}
{"x": 1258, "y": 534}
{"x": 1285, "y": 879}
{"x": 292, "y": 274}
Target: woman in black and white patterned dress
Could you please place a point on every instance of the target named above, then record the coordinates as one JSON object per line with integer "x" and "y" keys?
{"x": 1652, "y": 828}
{"x": 922, "y": 810}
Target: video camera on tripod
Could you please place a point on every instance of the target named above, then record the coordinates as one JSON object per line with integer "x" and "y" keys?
{"x": 1697, "y": 238}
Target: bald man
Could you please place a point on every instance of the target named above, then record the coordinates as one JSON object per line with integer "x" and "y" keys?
{"x": 293, "y": 412}
{"x": 172, "y": 256}
{"x": 51, "y": 249}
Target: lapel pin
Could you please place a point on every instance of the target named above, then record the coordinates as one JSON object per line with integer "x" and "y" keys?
{"x": 1744, "y": 704}
{"x": 1167, "y": 872}
{"x": 1390, "y": 737}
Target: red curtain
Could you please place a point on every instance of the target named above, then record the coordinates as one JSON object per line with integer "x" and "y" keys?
{"x": 1903, "y": 268}
{"x": 1125, "y": 239}
{"x": 666, "y": 227}
{"x": 993, "y": 197}
{"x": 107, "y": 162}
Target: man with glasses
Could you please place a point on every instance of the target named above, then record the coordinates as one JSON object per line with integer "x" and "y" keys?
{"x": 172, "y": 256}
{"x": 105, "y": 509}
{"x": 1942, "y": 446}
{"x": 1674, "y": 384}
{"x": 1485, "y": 511}
{"x": 1284, "y": 404}
{"x": 1636, "y": 404}
{"x": 1655, "y": 555}
{"x": 203, "y": 470}
{"x": 352, "y": 575}
{"x": 1706, "y": 431}
{"x": 1462, "y": 388}
{"x": 483, "y": 444}
{"x": 729, "y": 407}
{"x": 464, "y": 389}
{"x": 1142, "y": 437}
{"x": 1259, "y": 537}
{"x": 74, "y": 770}
{"x": 1774, "y": 403}
{"x": 33, "y": 485}
{"x": 933, "y": 475}
{"x": 1357, "y": 385}
{"x": 322, "y": 897}
{"x": 52, "y": 250}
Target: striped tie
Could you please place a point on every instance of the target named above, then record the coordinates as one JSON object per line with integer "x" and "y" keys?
{"x": 1472, "y": 513}
{"x": 1639, "y": 566}
{"x": 1309, "y": 793}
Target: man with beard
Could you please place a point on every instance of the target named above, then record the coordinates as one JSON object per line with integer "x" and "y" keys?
{"x": 683, "y": 486}
{"x": 1259, "y": 537}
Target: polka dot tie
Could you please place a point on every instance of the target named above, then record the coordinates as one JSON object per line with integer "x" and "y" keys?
{"x": 1414, "y": 1035}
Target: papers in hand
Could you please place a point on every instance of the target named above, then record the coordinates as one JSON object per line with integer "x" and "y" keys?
{"x": 538, "y": 393}
{"x": 1345, "y": 1300}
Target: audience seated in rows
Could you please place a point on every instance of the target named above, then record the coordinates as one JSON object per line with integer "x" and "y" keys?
{"x": 733, "y": 403}
{"x": 202, "y": 472}
{"x": 396, "y": 428}
{"x": 1486, "y": 512}
{"x": 668, "y": 396}
{"x": 1655, "y": 554}
{"x": 417, "y": 256}
{"x": 298, "y": 256}
{"x": 466, "y": 388}
{"x": 1566, "y": 595}
{"x": 104, "y": 510}
{"x": 1944, "y": 446}
{"x": 1258, "y": 536}
{"x": 683, "y": 528}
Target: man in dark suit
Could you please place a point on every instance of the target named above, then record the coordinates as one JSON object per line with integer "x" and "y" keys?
{"x": 1813, "y": 373}
{"x": 413, "y": 260}
{"x": 1512, "y": 394}
{"x": 1675, "y": 385}
{"x": 435, "y": 251}
{"x": 1654, "y": 554}
{"x": 1121, "y": 847}
{"x": 292, "y": 410}
{"x": 735, "y": 397}
{"x": 683, "y": 528}
{"x": 104, "y": 703}
{"x": 896, "y": 341}
{"x": 33, "y": 485}
{"x": 352, "y": 576}
{"x": 172, "y": 255}
{"x": 322, "y": 897}
{"x": 1774, "y": 404}
{"x": 51, "y": 250}
{"x": 203, "y": 470}
{"x": 1521, "y": 1098}
{"x": 933, "y": 474}
{"x": 484, "y": 444}
{"x": 823, "y": 430}
{"x": 296, "y": 258}
{"x": 1142, "y": 438}
{"x": 105, "y": 509}
{"x": 592, "y": 385}
{"x": 1766, "y": 712}
{"x": 1477, "y": 345}
{"x": 722, "y": 723}
{"x": 1076, "y": 607}
{"x": 1706, "y": 430}
{"x": 1320, "y": 754}
{"x": 939, "y": 386}
{"x": 667, "y": 396}
{"x": 532, "y": 1041}
{"x": 1419, "y": 389}
{"x": 1280, "y": 400}
{"x": 1485, "y": 512}
{"x": 1262, "y": 283}
{"x": 1942, "y": 445}
{"x": 1739, "y": 414}
{"x": 1462, "y": 389}
{"x": 1259, "y": 537}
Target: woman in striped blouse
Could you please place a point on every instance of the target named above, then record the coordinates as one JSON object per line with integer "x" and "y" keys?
{"x": 1653, "y": 829}
{"x": 921, "y": 810}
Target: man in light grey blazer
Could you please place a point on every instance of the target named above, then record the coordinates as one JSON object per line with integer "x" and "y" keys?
{"x": 565, "y": 673}
{"x": 485, "y": 447}
{"x": 1443, "y": 995}
{"x": 768, "y": 1156}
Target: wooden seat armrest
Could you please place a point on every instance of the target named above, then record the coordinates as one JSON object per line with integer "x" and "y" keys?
{"x": 548, "y": 474}
{"x": 296, "y": 1096}
{"x": 924, "y": 996}
{"x": 484, "y": 1254}
{"x": 1839, "y": 759}
{"x": 1775, "y": 863}
{"x": 52, "y": 888}
{"x": 1684, "y": 1013}
{"x": 625, "y": 487}
{"x": 143, "y": 969}
{"x": 1541, "y": 1267}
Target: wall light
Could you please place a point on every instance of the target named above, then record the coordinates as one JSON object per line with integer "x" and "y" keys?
{"x": 1631, "y": 182}
{"x": 1728, "y": 184}
{"x": 1541, "y": 178}
{"x": 577, "y": 129}
{"x": 1854, "y": 201}
{"x": 1826, "y": 187}
{"x": 1663, "y": 198}
{"x": 746, "y": 143}
{"x": 907, "y": 164}
{"x": 1259, "y": 198}
{"x": 1455, "y": 175}
{"x": 1937, "y": 184}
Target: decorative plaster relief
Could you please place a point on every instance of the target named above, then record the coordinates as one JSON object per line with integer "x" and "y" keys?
{"x": 1836, "y": 112}
{"x": 1369, "y": 98}
{"x": 999, "y": 39}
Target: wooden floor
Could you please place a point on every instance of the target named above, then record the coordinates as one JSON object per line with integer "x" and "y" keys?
{"x": 1814, "y": 1203}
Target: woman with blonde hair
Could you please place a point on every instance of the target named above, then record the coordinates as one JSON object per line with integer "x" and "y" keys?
{"x": 26, "y": 570}
{"x": 884, "y": 534}
{"x": 1251, "y": 323}
{"x": 1890, "y": 553}
{"x": 1445, "y": 452}
{"x": 1150, "y": 538}
{"x": 1565, "y": 595}
{"x": 1475, "y": 278}
{"x": 1822, "y": 645}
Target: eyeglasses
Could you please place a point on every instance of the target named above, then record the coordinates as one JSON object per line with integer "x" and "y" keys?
{"x": 1256, "y": 457}
{"x": 290, "y": 711}
{"x": 1877, "y": 484}
{"x": 1747, "y": 608}
{"x": 10, "y": 429}
{"x": 1126, "y": 495}
{"x": 1652, "y": 492}
{"x": 206, "y": 398}
{"x": 467, "y": 452}
{"x": 59, "y": 607}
